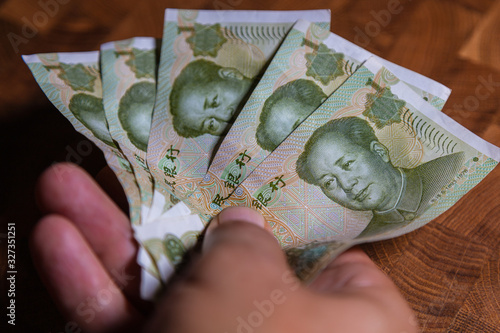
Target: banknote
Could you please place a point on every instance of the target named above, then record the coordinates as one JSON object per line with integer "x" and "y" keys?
{"x": 163, "y": 243}
{"x": 356, "y": 151}
{"x": 310, "y": 64}
{"x": 302, "y": 259}
{"x": 293, "y": 70}
{"x": 128, "y": 70}
{"x": 373, "y": 162}
{"x": 72, "y": 82}
{"x": 168, "y": 243}
{"x": 208, "y": 64}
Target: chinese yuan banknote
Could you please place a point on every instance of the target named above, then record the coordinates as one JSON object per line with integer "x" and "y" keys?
{"x": 209, "y": 62}
{"x": 128, "y": 70}
{"x": 374, "y": 161}
{"x": 72, "y": 82}
{"x": 264, "y": 109}
{"x": 167, "y": 240}
{"x": 310, "y": 64}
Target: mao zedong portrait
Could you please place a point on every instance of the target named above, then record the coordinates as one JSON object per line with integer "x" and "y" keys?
{"x": 285, "y": 109}
{"x": 205, "y": 97}
{"x": 352, "y": 168}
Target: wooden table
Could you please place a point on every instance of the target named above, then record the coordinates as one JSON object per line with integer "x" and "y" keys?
{"x": 449, "y": 270}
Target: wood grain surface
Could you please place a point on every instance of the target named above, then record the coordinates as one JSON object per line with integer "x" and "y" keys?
{"x": 449, "y": 270}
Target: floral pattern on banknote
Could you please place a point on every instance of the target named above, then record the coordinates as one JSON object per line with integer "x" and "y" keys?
{"x": 142, "y": 62}
{"x": 383, "y": 107}
{"x": 78, "y": 77}
{"x": 206, "y": 40}
{"x": 324, "y": 64}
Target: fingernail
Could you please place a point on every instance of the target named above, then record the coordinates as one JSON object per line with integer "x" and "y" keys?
{"x": 241, "y": 214}
{"x": 237, "y": 214}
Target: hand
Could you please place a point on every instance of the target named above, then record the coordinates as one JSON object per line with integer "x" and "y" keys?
{"x": 239, "y": 283}
{"x": 85, "y": 252}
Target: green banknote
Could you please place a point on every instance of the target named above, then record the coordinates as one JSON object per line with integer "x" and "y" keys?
{"x": 73, "y": 84}
{"x": 305, "y": 257}
{"x": 128, "y": 70}
{"x": 209, "y": 62}
{"x": 310, "y": 64}
{"x": 333, "y": 145}
{"x": 374, "y": 161}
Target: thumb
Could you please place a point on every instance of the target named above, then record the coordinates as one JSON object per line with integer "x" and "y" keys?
{"x": 237, "y": 246}
{"x": 353, "y": 274}
{"x": 238, "y": 225}
{"x": 241, "y": 264}
{"x": 351, "y": 269}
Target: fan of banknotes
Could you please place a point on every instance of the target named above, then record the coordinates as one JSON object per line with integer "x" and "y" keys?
{"x": 266, "y": 109}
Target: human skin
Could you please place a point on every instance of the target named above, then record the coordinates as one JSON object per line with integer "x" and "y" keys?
{"x": 85, "y": 239}
{"x": 210, "y": 108}
{"x": 353, "y": 176}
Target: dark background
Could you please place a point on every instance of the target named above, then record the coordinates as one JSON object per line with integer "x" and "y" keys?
{"x": 447, "y": 270}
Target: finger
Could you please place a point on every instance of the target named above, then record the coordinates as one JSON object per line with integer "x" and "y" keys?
{"x": 78, "y": 282}
{"x": 353, "y": 284}
{"x": 67, "y": 190}
{"x": 241, "y": 265}
{"x": 352, "y": 268}
{"x": 242, "y": 283}
{"x": 235, "y": 214}
{"x": 237, "y": 236}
